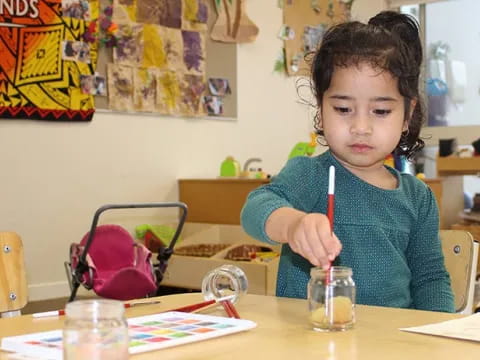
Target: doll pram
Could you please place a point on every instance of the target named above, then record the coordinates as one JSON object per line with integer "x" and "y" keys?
{"x": 110, "y": 262}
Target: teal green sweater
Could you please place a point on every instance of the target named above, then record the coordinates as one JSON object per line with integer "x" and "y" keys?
{"x": 389, "y": 237}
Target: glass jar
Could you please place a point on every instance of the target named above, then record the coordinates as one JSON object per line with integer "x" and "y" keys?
{"x": 95, "y": 330}
{"x": 331, "y": 298}
{"x": 224, "y": 281}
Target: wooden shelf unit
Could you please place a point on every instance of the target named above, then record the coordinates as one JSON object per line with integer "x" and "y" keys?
{"x": 453, "y": 165}
{"x": 216, "y": 201}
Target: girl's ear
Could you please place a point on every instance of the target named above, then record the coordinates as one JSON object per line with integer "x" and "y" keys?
{"x": 413, "y": 103}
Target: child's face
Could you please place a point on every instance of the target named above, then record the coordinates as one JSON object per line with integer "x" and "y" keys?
{"x": 362, "y": 115}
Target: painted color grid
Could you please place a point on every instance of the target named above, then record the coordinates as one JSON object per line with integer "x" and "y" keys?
{"x": 147, "y": 333}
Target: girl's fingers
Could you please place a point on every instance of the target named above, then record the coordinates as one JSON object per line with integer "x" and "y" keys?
{"x": 303, "y": 248}
{"x": 313, "y": 247}
{"x": 313, "y": 240}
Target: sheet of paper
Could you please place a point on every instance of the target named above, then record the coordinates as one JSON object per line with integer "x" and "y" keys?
{"x": 467, "y": 328}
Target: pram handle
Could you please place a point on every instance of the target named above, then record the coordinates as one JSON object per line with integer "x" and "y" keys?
{"x": 162, "y": 257}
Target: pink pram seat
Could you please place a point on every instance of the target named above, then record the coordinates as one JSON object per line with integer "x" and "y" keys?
{"x": 115, "y": 271}
{"x": 109, "y": 261}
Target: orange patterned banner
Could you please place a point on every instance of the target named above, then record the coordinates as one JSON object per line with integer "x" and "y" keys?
{"x": 43, "y": 56}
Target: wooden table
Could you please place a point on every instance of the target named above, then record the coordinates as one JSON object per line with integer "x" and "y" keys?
{"x": 283, "y": 333}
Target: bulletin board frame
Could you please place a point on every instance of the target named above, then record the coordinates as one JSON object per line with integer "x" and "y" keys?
{"x": 297, "y": 14}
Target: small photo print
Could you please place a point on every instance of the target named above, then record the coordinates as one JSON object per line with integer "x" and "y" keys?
{"x": 87, "y": 84}
{"x": 213, "y": 105}
{"x": 93, "y": 85}
{"x": 78, "y": 9}
{"x": 286, "y": 33}
{"x": 100, "y": 85}
{"x": 312, "y": 36}
{"x": 219, "y": 86}
{"x": 76, "y": 51}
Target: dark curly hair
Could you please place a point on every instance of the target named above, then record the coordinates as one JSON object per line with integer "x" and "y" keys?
{"x": 390, "y": 41}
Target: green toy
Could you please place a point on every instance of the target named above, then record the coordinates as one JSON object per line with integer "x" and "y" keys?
{"x": 230, "y": 167}
{"x": 304, "y": 148}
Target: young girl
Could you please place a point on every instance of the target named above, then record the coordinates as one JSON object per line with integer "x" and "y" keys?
{"x": 365, "y": 79}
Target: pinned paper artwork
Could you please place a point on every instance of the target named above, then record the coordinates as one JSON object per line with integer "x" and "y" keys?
{"x": 129, "y": 49}
{"x": 195, "y": 15}
{"x": 145, "y": 85}
{"x": 168, "y": 93}
{"x": 193, "y": 50}
{"x": 192, "y": 88}
{"x": 163, "y": 48}
{"x": 233, "y": 25}
{"x": 124, "y": 11}
{"x": 160, "y": 12}
{"x": 78, "y": 9}
{"x": 153, "y": 47}
{"x": 174, "y": 48}
{"x": 219, "y": 86}
{"x": 120, "y": 87}
{"x": 213, "y": 105}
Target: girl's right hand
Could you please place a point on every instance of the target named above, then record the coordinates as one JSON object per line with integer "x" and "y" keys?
{"x": 311, "y": 237}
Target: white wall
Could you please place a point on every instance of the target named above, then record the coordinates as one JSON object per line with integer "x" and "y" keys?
{"x": 55, "y": 175}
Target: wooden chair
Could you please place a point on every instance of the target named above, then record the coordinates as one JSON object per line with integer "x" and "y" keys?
{"x": 13, "y": 280}
{"x": 461, "y": 256}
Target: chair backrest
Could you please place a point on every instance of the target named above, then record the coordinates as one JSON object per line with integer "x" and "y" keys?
{"x": 461, "y": 256}
{"x": 13, "y": 280}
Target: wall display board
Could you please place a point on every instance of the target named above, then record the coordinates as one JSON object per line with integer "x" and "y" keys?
{"x": 164, "y": 59}
{"x": 305, "y": 22}
{"x": 65, "y": 58}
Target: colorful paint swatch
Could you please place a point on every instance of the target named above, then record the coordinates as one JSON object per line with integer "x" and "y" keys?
{"x": 144, "y": 334}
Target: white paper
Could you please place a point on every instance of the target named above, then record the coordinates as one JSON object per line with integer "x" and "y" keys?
{"x": 467, "y": 328}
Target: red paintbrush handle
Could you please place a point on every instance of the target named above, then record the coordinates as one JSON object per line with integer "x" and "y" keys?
{"x": 194, "y": 307}
{"x": 230, "y": 309}
{"x": 330, "y": 208}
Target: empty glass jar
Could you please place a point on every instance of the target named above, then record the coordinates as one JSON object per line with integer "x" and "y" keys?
{"x": 224, "y": 281}
{"x": 331, "y": 298}
{"x": 95, "y": 330}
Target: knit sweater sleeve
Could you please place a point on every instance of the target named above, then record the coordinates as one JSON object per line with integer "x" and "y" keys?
{"x": 293, "y": 187}
{"x": 430, "y": 285}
